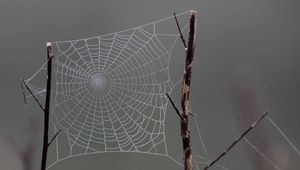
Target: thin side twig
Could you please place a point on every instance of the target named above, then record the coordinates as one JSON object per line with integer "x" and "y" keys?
{"x": 54, "y": 137}
{"x": 174, "y": 106}
{"x": 179, "y": 30}
{"x": 236, "y": 141}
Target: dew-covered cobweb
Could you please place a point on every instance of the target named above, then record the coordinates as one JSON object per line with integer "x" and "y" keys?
{"x": 110, "y": 90}
{"x": 109, "y": 94}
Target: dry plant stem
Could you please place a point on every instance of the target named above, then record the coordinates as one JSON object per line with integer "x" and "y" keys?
{"x": 47, "y": 107}
{"x": 236, "y": 141}
{"x": 185, "y": 132}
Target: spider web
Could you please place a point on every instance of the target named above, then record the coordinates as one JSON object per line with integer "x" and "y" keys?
{"x": 109, "y": 95}
{"x": 110, "y": 91}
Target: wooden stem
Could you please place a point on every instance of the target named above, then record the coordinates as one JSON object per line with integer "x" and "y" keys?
{"x": 47, "y": 107}
{"x": 185, "y": 132}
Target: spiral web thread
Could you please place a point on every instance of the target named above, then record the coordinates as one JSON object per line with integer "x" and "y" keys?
{"x": 110, "y": 94}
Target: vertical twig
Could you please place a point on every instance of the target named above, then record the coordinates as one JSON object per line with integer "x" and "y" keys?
{"x": 47, "y": 107}
{"x": 185, "y": 132}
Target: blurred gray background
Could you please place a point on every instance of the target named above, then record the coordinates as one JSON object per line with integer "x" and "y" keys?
{"x": 246, "y": 62}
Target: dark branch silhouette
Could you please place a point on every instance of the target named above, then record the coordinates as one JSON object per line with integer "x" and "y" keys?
{"x": 47, "y": 107}
{"x": 236, "y": 141}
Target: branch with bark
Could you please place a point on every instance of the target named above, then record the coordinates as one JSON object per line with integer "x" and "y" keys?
{"x": 185, "y": 91}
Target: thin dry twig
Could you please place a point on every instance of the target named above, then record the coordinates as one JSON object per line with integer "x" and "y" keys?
{"x": 236, "y": 141}
{"x": 174, "y": 106}
{"x": 54, "y": 137}
{"x": 179, "y": 30}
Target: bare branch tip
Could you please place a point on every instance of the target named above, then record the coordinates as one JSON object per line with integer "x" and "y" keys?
{"x": 179, "y": 30}
{"x": 266, "y": 114}
{"x": 48, "y": 44}
{"x": 193, "y": 12}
